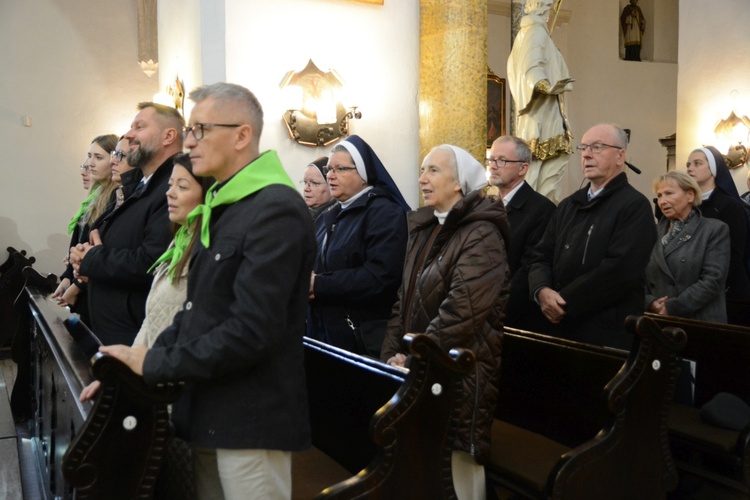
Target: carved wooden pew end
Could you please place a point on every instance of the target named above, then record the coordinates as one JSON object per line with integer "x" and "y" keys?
{"x": 127, "y": 417}
{"x": 414, "y": 430}
{"x": 721, "y": 353}
{"x": 582, "y": 421}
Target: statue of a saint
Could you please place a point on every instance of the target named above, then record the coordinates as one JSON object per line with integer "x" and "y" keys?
{"x": 538, "y": 78}
{"x": 633, "y": 26}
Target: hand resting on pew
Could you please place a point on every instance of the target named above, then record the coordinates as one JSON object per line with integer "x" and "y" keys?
{"x": 398, "y": 360}
{"x": 132, "y": 356}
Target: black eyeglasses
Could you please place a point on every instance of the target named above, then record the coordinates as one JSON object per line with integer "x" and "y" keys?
{"x": 198, "y": 129}
{"x": 118, "y": 155}
{"x": 337, "y": 170}
{"x": 500, "y": 162}
{"x": 596, "y": 148}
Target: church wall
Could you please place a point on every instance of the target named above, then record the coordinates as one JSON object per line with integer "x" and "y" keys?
{"x": 374, "y": 48}
{"x": 713, "y": 61}
{"x": 72, "y": 66}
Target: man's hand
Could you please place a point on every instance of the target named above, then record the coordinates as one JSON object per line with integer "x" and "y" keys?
{"x": 131, "y": 356}
{"x": 552, "y": 304}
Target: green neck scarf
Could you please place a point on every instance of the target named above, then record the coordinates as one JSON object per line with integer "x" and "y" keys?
{"x": 74, "y": 221}
{"x": 263, "y": 172}
{"x": 175, "y": 252}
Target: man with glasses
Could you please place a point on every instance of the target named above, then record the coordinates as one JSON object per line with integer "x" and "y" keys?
{"x": 237, "y": 344}
{"x": 587, "y": 272}
{"x": 528, "y": 213}
{"x": 127, "y": 241}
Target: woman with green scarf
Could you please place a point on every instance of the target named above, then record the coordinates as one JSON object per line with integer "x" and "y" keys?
{"x": 169, "y": 288}
{"x": 71, "y": 292}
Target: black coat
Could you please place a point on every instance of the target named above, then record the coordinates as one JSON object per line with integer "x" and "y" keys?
{"x": 528, "y": 214}
{"x": 730, "y": 211}
{"x": 594, "y": 253}
{"x": 238, "y": 341}
{"x": 133, "y": 237}
{"x": 358, "y": 269}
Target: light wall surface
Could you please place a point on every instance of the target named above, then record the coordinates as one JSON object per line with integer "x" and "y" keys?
{"x": 711, "y": 69}
{"x": 72, "y": 68}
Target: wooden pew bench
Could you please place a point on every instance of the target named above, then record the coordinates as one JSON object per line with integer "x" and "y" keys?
{"x": 580, "y": 421}
{"x": 10, "y": 473}
{"x": 722, "y": 356}
{"x": 393, "y": 430}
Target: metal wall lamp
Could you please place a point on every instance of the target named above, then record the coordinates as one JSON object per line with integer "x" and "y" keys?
{"x": 315, "y": 114}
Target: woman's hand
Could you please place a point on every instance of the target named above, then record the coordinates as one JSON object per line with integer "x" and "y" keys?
{"x": 397, "y": 360}
{"x": 70, "y": 297}
{"x": 60, "y": 290}
{"x": 658, "y": 306}
{"x": 88, "y": 392}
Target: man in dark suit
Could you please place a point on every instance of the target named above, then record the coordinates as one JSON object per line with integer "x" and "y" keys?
{"x": 237, "y": 343}
{"x": 126, "y": 241}
{"x": 528, "y": 214}
{"x": 588, "y": 271}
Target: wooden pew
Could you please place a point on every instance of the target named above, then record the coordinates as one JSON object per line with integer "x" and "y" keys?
{"x": 109, "y": 449}
{"x": 404, "y": 450}
{"x": 580, "y": 421}
{"x": 11, "y": 284}
{"x": 722, "y": 356}
{"x": 112, "y": 448}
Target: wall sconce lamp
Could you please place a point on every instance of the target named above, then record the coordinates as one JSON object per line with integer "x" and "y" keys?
{"x": 734, "y": 129}
{"x": 315, "y": 115}
{"x": 174, "y": 96}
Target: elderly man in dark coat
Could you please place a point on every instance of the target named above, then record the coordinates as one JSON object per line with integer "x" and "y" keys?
{"x": 587, "y": 273}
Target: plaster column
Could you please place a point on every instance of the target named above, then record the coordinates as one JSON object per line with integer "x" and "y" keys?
{"x": 453, "y": 76}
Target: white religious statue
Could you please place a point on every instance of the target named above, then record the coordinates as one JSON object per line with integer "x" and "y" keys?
{"x": 538, "y": 79}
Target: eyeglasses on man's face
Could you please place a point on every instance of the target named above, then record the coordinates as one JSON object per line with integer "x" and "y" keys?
{"x": 500, "y": 162}
{"x": 337, "y": 170}
{"x": 118, "y": 155}
{"x": 596, "y": 148}
{"x": 199, "y": 129}
{"x": 310, "y": 184}
{"x": 84, "y": 168}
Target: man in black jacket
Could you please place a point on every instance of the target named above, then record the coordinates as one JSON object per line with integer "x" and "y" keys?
{"x": 237, "y": 343}
{"x": 129, "y": 239}
{"x": 587, "y": 273}
{"x": 528, "y": 214}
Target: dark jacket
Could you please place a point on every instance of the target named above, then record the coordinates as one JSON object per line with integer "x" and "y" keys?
{"x": 133, "y": 237}
{"x": 458, "y": 299}
{"x": 594, "y": 254}
{"x": 238, "y": 341}
{"x": 691, "y": 270}
{"x": 730, "y": 211}
{"x": 358, "y": 269}
{"x": 528, "y": 215}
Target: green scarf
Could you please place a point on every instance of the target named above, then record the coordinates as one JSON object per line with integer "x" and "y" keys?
{"x": 175, "y": 252}
{"x": 263, "y": 172}
{"x": 74, "y": 221}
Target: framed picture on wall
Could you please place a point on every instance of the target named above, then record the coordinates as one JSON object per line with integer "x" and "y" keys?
{"x": 495, "y": 107}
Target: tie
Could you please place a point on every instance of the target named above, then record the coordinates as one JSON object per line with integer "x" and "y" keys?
{"x": 139, "y": 189}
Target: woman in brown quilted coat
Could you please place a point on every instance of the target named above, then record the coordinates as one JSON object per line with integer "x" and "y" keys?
{"x": 454, "y": 289}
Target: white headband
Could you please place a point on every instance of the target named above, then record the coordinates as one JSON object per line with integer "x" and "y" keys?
{"x": 358, "y": 161}
{"x": 710, "y": 158}
{"x": 471, "y": 173}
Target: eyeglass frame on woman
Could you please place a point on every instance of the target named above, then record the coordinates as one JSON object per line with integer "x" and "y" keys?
{"x": 500, "y": 162}
{"x": 201, "y": 126}
{"x": 596, "y": 148}
{"x": 118, "y": 154}
{"x": 337, "y": 170}
{"x": 311, "y": 184}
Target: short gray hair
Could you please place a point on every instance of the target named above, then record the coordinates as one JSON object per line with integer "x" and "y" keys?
{"x": 240, "y": 98}
{"x": 522, "y": 148}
